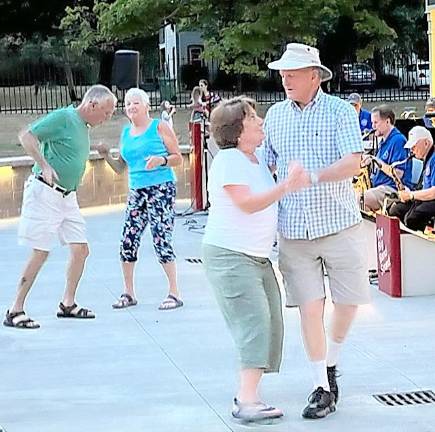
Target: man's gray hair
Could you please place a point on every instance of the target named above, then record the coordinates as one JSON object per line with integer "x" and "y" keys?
{"x": 98, "y": 93}
{"x": 320, "y": 72}
{"x": 137, "y": 92}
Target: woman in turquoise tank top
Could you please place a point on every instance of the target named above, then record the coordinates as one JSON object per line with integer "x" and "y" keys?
{"x": 149, "y": 149}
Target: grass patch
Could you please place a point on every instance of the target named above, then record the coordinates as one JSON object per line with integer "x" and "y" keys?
{"x": 11, "y": 124}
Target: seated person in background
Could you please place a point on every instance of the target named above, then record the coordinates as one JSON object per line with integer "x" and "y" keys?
{"x": 391, "y": 149}
{"x": 429, "y": 116}
{"x": 365, "y": 121}
{"x": 418, "y": 208}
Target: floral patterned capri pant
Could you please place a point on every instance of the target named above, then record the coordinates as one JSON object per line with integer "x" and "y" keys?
{"x": 153, "y": 205}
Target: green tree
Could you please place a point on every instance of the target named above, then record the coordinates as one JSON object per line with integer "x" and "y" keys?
{"x": 243, "y": 34}
{"x": 240, "y": 34}
{"x": 31, "y": 36}
{"x": 82, "y": 34}
{"x": 410, "y": 22}
{"x": 28, "y": 17}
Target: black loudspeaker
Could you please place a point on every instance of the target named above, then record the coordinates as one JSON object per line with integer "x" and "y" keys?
{"x": 126, "y": 69}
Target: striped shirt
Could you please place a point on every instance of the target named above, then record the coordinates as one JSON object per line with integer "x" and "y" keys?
{"x": 317, "y": 136}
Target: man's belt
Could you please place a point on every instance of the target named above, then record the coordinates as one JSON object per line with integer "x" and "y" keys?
{"x": 54, "y": 186}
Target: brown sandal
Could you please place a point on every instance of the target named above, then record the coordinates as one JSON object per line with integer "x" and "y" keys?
{"x": 171, "y": 302}
{"x": 125, "y": 301}
{"x": 19, "y": 320}
{"x": 74, "y": 311}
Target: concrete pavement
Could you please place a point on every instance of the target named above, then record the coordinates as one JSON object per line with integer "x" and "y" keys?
{"x": 141, "y": 369}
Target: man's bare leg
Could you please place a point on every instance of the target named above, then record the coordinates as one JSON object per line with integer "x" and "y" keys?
{"x": 370, "y": 201}
{"x": 341, "y": 321}
{"x": 321, "y": 402}
{"x": 76, "y": 265}
{"x": 313, "y": 330}
{"x": 33, "y": 266}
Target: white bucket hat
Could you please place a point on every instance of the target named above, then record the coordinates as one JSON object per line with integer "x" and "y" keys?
{"x": 300, "y": 56}
{"x": 416, "y": 134}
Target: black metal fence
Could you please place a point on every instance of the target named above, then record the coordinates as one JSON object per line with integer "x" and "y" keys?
{"x": 42, "y": 88}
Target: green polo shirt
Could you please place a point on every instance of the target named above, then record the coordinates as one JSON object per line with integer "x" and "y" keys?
{"x": 64, "y": 143}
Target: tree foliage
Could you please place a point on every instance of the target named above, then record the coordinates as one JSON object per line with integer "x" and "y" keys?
{"x": 243, "y": 34}
{"x": 28, "y": 17}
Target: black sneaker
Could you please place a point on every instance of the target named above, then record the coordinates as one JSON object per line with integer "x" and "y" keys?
{"x": 332, "y": 379}
{"x": 321, "y": 403}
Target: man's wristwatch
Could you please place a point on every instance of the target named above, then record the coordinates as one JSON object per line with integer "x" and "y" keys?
{"x": 314, "y": 178}
{"x": 411, "y": 196}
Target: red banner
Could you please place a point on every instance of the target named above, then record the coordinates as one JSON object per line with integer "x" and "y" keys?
{"x": 389, "y": 255}
{"x": 196, "y": 167}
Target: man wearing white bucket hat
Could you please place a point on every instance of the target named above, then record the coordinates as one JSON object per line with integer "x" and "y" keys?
{"x": 418, "y": 207}
{"x": 320, "y": 226}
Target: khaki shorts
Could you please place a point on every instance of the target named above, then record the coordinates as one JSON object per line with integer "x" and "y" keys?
{"x": 378, "y": 194}
{"x": 344, "y": 256}
{"x": 47, "y": 216}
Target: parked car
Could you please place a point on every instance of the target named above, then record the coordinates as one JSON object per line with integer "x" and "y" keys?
{"x": 356, "y": 76}
{"x": 414, "y": 76}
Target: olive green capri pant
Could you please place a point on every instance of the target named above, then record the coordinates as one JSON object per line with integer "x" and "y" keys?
{"x": 248, "y": 295}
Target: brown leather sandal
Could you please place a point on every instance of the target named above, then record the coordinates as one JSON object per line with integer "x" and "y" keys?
{"x": 170, "y": 302}
{"x": 74, "y": 311}
{"x": 125, "y": 301}
{"x": 19, "y": 320}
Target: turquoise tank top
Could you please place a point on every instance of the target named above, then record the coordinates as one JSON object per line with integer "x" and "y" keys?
{"x": 136, "y": 149}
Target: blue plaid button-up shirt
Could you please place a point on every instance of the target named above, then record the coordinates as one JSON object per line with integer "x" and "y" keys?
{"x": 317, "y": 136}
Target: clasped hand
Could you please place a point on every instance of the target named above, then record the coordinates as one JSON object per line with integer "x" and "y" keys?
{"x": 297, "y": 177}
{"x": 102, "y": 148}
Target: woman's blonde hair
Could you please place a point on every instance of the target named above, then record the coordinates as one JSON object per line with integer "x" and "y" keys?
{"x": 195, "y": 91}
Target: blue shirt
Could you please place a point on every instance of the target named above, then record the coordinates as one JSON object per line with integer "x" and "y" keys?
{"x": 135, "y": 150}
{"x": 428, "y": 122}
{"x": 392, "y": 150}
{"x": 317, "y": 136}
{"x": 429, "y": 173}
{"x": 365, "y": 120}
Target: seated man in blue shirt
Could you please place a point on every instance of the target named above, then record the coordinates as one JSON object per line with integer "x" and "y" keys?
{"x": 429, "y": 113}
{"x": 391, "y": 149}
{"x": 365, "y": 121}
{"x": 418, "y": 208}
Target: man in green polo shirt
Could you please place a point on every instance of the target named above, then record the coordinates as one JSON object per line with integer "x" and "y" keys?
{"x": 59, "y": 143}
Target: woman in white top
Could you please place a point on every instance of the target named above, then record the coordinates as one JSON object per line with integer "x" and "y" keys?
{"x": 237, "y": 244}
